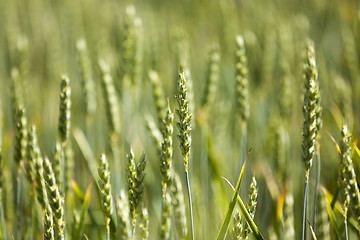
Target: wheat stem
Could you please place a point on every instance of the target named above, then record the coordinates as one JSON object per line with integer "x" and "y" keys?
{"x": 304, "y": 206}
{"x": 310, "y": 125}
{"x": 184, "y": 135}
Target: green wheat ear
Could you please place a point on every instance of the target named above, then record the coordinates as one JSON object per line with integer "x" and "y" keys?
{"x": 64, "y": 109}
{"x": 136, "y": 176}
{"x": 88, "y": 85}
{"x": 131, "y": 54}
{"x": 131, "y": 174}
{"x": 212, "y": 76}
{"x": 310, "y": 126}
{"x": 16, "y": 96}
{"x": 33, "y": 153}
{"x": 184, "y": 126}
{"x": 20, "y": 139}
{"x": 139, "y": 184}
{"x": 40, "y": 188}
{"x": 343, "y": 179}
{"x": 58, "y": 165}
{"x": 347, "y": 177}
{"x": 55, "y": 199}
{"x": 48, "y": 224}
{"x": 253, "y": 193}
{"x": 158, "y": 96}
{"x": 165, "y": 222}
{"x": 183, "y": 113}
{"x": 241, "y": 72}
{"x": 105, "y": 190}
{"x": 318, "y": 113}
{"x": 237, "y": 225}
{"x": 309, "y": 109}
{"x": 167, "y": 149}
{"x": 111, "y": 100}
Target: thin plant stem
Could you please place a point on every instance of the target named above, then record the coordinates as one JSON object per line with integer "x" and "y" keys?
{"x": 205, "y": 175}
{"x": 243, "y": 142}
{"x": 133, "y": 232}
{"x": 2, "y": 218}
{"x": 317, "y": 180}
{"x": 346, "y": 227}
{"x": 304, "y": 206}
{"x": 18, "y": 202}
{"x": 107, "y": 228}
{"x": 243, "y": 151}
{"x": 190, "y": 205}
{"x": 62, "y": 175}
{"x": 62, "y": 167}
{"x": 30, "y": 214}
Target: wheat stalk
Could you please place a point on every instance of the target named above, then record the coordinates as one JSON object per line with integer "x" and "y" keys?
{"x": 212, "y": 76}
{"x": 184, "y": 126}
{"x": 167, "y": 149}
{"x": 88, "y": 85}
{"x": 135, "y": 180}
{"x": 165, "y": 222}
{"x": 56, "y": 201}
{"x": 309, "y": 127}
{"x": 19, "y": 156}
{"x": 158, "y": 96}
{"x": 105, "y": 190}
{"x": 48, "y": 224}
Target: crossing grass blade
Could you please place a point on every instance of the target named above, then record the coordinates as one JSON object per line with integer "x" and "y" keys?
{"x": 246, "y": 215}
{"x": 331, "y": 213}
{"x": 225, "y": 224}
{"x": 312, "y": 231}
{"x": 86, "y": 151}
{"x": 334, "y": 142}
{"x": 84, "y": 208}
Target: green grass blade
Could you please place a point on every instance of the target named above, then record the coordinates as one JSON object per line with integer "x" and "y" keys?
{"x": 336, "y": 208}
{"x": 84, "y": 209}
{"x": 225, "y": 224}
{"x": 331, "y": 214}
{"x": 86, "y": 151}
{"x": 246, "y": 215}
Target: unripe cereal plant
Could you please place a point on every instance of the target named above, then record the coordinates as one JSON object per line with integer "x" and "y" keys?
{"x": 309, "y": 126}
{"x": 56, "y": 201}
{"x": 105, "y": 191}
{"x": 184, "y": 126}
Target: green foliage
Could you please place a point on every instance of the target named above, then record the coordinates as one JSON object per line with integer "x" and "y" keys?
{"x": 123, "y": 62}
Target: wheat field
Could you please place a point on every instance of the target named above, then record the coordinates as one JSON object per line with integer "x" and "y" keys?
{"x": 179, "y": 119}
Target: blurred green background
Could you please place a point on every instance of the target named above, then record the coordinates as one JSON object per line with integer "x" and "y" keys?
{"x": 39, "y": 38}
